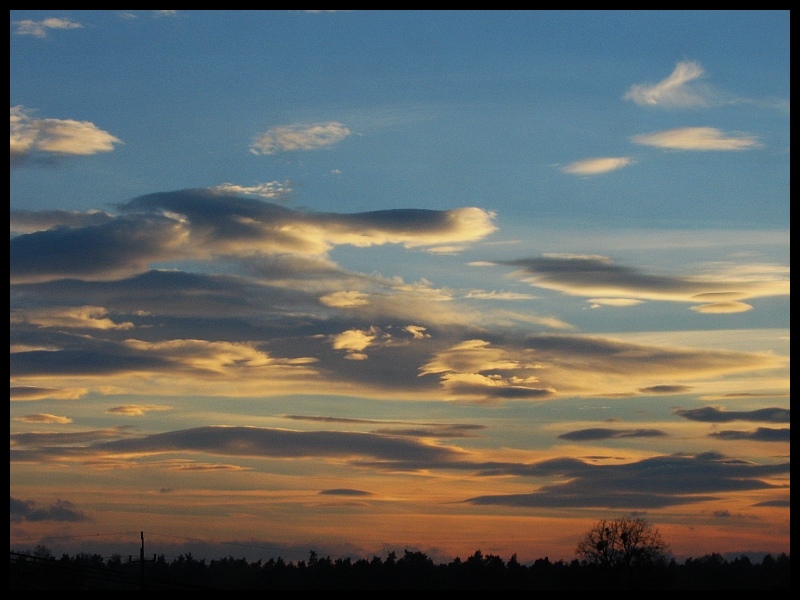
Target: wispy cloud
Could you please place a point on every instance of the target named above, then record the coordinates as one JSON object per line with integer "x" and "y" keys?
{"x": 554, "y": 365}
{"x": 39, "y": 28}
{"x": 602, "y": 433}
{"x": 762, "y": 434}
{"x": 137, "y": 410}
{"x": 288, "y": 138}
{"x": 666, "y": 389}
{"x": 55, "y": 137}
{"x": 593, "y": 275}
{"x": 698, "y": 138}
{"x": 345, "y": 492}
{"x": 44, "y": 418}
{"x": 596, "y": 166}
{"x": 711, "y": 414}
{"x": 675, "y": 91}
{"x": 31, "y": 393}
{"x": 270, "y": 190}
{"x": 80, "y": 317}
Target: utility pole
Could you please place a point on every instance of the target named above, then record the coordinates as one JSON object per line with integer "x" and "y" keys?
{"x": 142, "y": 561}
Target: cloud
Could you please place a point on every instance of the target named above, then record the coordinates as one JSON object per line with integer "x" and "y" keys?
{"x": 38, "y": 440}
{"x": 81, "y": 317}
{"x": 722, "y": 307}
{"x": 675, "y": 91}
{"x": 203, "y": 225}
{"x": 55, "y": 137}
{"x": 29, "y": 393}
{"x": 118, "y": 248}
{"x": 354, "y": 340}
{"x": 125, "y": 318}
{"x": 697, "y": 138}
{"x": 61, "y": 511}
{"x": 136, "y": 410}
{"x": 345, "y": 492}
{"x": 44, "y": 418}
{"x": 39, "y": 28}
{"x": 762, "y": 434}
{"x": 666, "y": 389}
{"x": 777, "y": 503}
{"x": 345, "y": 299}
{"x": 617, "y": 302}
{"x": 27, "y": 221}
{"x": 656, "y": 482}
{"x": 551, "y": 365}
{"x": 270, "y": 190}
{"x": 711, "y": 414}
{"x": 591, "y": 275}
{"x": 410, "y": 429}
{"x": 596, "y": 166}
{"x": 289, "y": 138}
{"x": 281, "y": 443}
{"x": 600, "y": 433}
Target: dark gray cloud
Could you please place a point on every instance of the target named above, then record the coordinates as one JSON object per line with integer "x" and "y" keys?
{"x": 711, "y": 414}
{"x": 762, "y": 434}
{"x": 45, "y": 439}
{"x": 601, "y": 433}
{"x": 61, "y": 510}
{"x": 281, "y": 443}
{"x": 434, "y": 430}
{"x": 666, "y": 389}
{"x": 410, "y": 429}
{"x": 201, "y": 224}
{"x": 345, "y": 492}
{"x": 29, "y": 221}
{"x": 119, "y": 248}
{"x": 102, "y": 358}
{"x": 650, "y": 483}
{"x": 776, "y": 503}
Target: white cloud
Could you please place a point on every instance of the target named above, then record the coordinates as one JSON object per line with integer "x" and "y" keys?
{"x": 353, "y": 340}
{"x": 697, "y": 138}
{"x": 598, "y": 302}
{"x": 56, "y": 136}
{"x": 672, "y": 92}
{"x": 345, "y": 299}
{"x": 287, "y": 138}
{"x": 722, "y": 307}
{"x": 39, "y": 28}
{"x": 596, "y": 166}
{"x": 270, "y": 190}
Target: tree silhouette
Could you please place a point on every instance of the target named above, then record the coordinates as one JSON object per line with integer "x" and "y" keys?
{"x": 622, "y": 543}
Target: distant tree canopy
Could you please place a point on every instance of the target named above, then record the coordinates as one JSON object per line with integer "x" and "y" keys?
{"x": 622, "y": 542}
{"x": 413, "y": 570}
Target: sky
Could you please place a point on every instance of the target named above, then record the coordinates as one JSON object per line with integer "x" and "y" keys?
{"x": 367, "y": 281}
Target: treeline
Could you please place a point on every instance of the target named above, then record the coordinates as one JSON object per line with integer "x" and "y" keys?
{"x": 412, "y": 570}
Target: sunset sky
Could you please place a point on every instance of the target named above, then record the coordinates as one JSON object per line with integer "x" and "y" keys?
{"x": 363, "y": 281}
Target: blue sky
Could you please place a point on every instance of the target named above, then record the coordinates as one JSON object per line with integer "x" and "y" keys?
{"x": 365, "y": 280}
